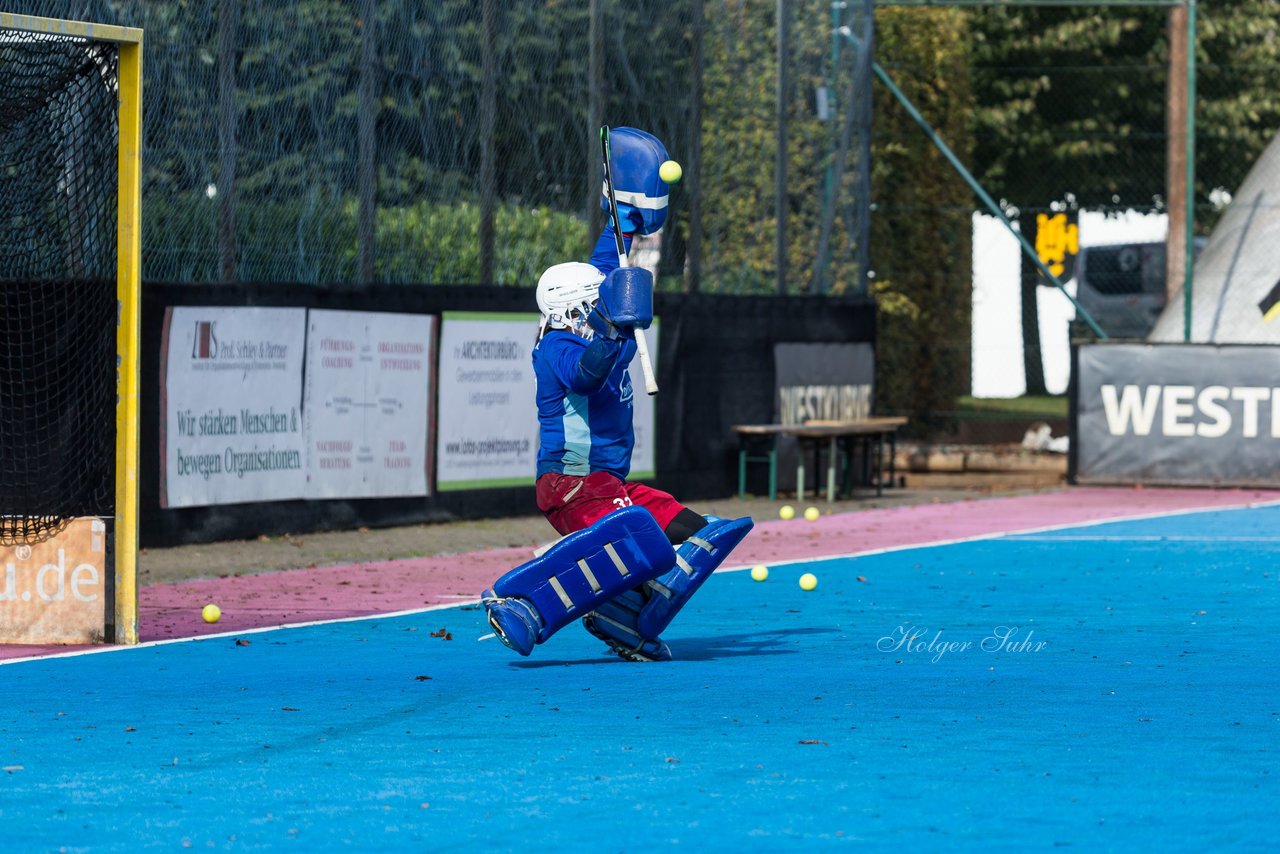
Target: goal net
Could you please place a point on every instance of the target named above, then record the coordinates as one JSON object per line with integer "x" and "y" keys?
{"x": 68, "y": 310}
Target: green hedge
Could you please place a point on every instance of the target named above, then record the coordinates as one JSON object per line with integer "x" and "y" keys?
{"x": 313, "y": 241}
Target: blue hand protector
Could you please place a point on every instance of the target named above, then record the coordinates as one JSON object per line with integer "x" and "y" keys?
{"x": 606, "y": 328}
{"x": 633, "y": 219}
{"x": 640, "y": 191}
{"x": 625, "y": 303}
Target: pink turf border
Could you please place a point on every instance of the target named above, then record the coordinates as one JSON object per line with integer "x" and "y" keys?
{"x": 169, "y": 611}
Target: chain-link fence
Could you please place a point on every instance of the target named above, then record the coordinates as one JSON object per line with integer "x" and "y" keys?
{"x": 1074, "y": 129}
{"x": 378, "y": 141}
{"x": 1077, "y": 127}
{"x": 360, "y": 141}
{"x": 1080, "y": 133}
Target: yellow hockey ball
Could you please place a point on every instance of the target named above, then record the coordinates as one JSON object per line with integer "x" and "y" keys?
{"x": 812, "y": 514}
{"x": 211, "y": 613}
{"x": 670, "y": 172}
{"x": 808, "y": 581}
{"x": 786, "y": 511}
{"x": 759, "y": 573}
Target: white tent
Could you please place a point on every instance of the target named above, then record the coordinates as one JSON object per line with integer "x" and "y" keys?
{"x": 1237, "y": 276}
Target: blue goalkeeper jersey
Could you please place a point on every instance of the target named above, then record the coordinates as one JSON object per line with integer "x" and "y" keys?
{"x": 584, "y": 399}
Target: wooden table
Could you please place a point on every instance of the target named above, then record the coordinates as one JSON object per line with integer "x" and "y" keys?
{"x": 810, "y": 435}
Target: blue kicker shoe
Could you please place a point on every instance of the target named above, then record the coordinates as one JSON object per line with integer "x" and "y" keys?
{"x": 614, "y": 622}
{"x": 513, "y": 620}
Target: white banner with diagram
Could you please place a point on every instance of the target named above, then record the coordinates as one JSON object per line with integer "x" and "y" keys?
{"x": 368, "y": 393}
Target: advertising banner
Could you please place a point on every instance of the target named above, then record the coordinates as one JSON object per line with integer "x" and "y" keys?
{"x": 1188, "y": 414}
{"x": 824, "y": 382}
{"x": 819, "y": 382}
{"x": 231, "y": 417}
{"x": 55, "y": 591}
{"x": 367, "y": 412}
{"x": 487, "y": 425}
{"x": 487, "y": 433}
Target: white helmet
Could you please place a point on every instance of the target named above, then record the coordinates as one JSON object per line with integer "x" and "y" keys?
{"x": 566, "y": 295}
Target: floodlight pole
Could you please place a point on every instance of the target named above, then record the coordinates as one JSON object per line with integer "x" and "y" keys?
{"x": 975, "y": 186}
{"x": 1189, "y": 247}
{"x": 781, "y": 200}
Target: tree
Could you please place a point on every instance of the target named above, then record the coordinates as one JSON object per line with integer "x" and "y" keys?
{"x": 1071, "y": 103}
{"x": 1237, "y": 100}
{"x": 920, "y": 240}
{"x": 739, "y": 145}
{"x": 1071, "y": 106}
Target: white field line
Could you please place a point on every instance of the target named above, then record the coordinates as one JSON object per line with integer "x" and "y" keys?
{"x": 1032, "y": 538}
{"x": 475, "y": 600}
{"x": 99, "y": 650}
{"x": 995, "y": 535}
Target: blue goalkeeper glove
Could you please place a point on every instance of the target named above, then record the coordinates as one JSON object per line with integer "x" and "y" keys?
{"x": 625, "y": 303}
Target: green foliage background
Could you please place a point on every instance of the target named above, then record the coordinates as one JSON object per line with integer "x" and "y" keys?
{"x": 920, "y": 238}
{"x": 1042, "y": 103}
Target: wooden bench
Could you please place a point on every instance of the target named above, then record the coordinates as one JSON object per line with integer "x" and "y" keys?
{"x": 871, "y": 433}
{"x": 758, "y": 443}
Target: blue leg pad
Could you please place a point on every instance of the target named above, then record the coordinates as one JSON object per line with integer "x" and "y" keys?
{"x": 696, "y": 559}
{"x": 615, "y": 623}
{"x": 585, "y": 569}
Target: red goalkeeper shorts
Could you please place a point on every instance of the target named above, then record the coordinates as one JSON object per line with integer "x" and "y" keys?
{"x": 572, "y": 502}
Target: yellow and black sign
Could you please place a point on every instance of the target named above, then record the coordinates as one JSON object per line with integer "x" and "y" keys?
{"x": 1057, "y": 242}
{"x": 1270, "y": 305}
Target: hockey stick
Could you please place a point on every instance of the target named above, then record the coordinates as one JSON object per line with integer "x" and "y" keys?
{"x": 642, "y": 342}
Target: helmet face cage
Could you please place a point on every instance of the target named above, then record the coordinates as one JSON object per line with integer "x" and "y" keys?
{"x": 566, "y": 295}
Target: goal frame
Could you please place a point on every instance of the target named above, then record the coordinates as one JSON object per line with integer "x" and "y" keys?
{"x": 128, "y": 295}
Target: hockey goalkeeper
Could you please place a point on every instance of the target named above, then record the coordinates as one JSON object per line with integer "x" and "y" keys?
{"x": 632, "y": 556}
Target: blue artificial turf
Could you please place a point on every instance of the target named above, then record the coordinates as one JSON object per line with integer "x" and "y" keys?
{"x": 1148, "y": 718}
